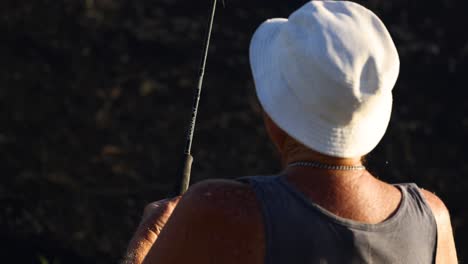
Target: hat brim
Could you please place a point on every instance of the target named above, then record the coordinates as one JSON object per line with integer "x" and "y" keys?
{"x": 285, "y": 109}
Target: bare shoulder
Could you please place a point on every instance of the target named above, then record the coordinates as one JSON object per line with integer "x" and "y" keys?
{"x": 229, "y": 213}
{"x": 438, "y": 207}
{"x": 216, "y": 221}
{"x": 219, "y": 192}
{"x": 446, "y": 251}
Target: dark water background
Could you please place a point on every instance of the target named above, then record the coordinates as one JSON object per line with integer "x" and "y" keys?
{"x": 95, "y": 97}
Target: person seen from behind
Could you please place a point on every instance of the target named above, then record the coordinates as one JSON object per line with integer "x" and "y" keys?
{"x": 324, "y": 78}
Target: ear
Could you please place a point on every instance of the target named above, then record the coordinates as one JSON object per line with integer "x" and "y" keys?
{"x": 276, "y": 134}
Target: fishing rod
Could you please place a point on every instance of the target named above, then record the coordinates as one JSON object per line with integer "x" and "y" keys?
{"x": 184, "y": 180}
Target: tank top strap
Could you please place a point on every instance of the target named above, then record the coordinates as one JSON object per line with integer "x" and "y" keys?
{"x": 420, "y": 215}
{"x": 417, "y": 201}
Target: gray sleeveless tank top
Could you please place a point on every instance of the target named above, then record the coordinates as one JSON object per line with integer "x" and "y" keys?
{"x": 298, "y": 231}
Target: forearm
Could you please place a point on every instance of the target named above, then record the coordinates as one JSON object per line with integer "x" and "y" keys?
{"x": 154, "y": 218}
{"x": 140, "y": 245}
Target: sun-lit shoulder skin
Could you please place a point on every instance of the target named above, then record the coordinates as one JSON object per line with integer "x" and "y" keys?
{"x": 446, "y": 251}
{"x": 216, "y": 221}
{"x": 223, "y": 195}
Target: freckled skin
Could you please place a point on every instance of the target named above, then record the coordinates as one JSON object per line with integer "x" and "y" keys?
{"x": 219, "y": 221}
{"x": 224, "y": 226}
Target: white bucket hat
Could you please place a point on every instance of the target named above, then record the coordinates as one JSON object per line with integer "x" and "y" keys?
{"x": 325, "y": 76}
